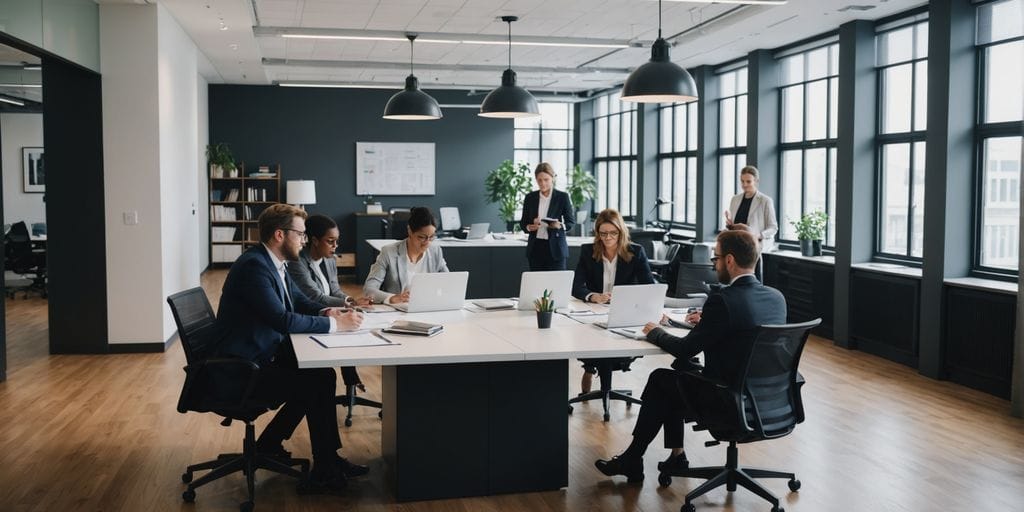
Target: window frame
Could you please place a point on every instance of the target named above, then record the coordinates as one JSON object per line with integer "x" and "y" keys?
{"x": 672, "y": 158}
{"x": 736, "y": 150}
{"x": 562, "y": 179}
{"x": 602, "y": 163}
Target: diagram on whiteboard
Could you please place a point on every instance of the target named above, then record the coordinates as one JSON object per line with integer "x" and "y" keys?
{"x": 395, "y": 168}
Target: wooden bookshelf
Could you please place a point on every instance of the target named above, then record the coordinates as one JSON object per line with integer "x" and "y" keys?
{"x": 235, "y": 207}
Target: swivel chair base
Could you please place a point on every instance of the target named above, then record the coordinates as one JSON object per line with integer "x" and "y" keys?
{"x": 350, "y": 400}
{"x": 729, "y": 475}
{"x": 247, "y": 462}
{"x": 606, "y": 394}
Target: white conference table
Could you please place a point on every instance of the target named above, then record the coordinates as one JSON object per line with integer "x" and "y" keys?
{"x": 481, "y": 408}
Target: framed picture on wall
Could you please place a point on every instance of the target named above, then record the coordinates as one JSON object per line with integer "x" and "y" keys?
{"x": 33, "y": 171}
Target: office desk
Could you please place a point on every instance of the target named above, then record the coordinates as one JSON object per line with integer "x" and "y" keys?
{"x": 494, "y": 266}
{"x": 481, "y": 408}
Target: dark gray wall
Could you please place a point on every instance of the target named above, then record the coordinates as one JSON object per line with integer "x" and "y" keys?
{"x": 313, "y": 132}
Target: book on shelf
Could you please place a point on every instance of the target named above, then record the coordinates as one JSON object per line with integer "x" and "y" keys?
{"x": 222, "y": 213}
{"x": 216, "y": 195}
{"x": 416, "y": 328}
{"x": 225, "y": 253}
{"x": 232, "y": 195}
{"x": 264, "y": 168}
{"x": 222, "y": 233}
{"x": 262, "y": 174}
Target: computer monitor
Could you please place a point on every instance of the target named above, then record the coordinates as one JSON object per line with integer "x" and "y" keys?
{"x": 450, "y": 220}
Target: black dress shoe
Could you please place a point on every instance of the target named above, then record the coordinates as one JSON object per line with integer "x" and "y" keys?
{"x": 324, "y": 478}
{"x": 674, "y": 463}
{"x": 351, "y": 470}
{"x": 630, "y": 467}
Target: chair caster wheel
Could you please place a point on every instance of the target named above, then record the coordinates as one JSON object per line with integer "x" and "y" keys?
{"x": 348, "y": 422}
{"x": 688, "y": 507}
{"x": 246, "y": 506}
{"x": 778, "y": 509}
{"x": 189, "y": 496}
{"x": 664, "y": 479}
{"x": 629, "y": 405}
{"x": 794, "y": 485}
{"x": 607, "y": 417}
{"x": 186, "y": 477}
{"x": 570, "y": 409}
{"x": 380, "y": 414}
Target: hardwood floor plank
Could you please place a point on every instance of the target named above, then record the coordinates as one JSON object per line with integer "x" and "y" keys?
{"x": 102, "y": 433}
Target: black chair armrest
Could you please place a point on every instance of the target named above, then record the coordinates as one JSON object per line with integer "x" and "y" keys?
{"x": 715, "y": 406}
{"x": 218, "y": 383}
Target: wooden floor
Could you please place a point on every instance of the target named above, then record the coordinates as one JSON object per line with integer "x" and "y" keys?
{"x": 102, "y": 433}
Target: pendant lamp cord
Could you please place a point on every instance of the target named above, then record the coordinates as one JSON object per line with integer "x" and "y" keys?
{"x": 659, "y": 19}
{"x": 412, "y": 38}
{"x": 510, "y": 44}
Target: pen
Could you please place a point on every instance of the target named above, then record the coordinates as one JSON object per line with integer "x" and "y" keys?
{"x": 379, "y": 335}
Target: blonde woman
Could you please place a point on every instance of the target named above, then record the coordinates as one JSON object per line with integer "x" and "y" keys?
{"x": 754, "y": 209}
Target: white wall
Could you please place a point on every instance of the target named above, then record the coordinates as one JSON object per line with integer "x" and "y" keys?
{"x": 18, "y": 131}
{"x": 203, "y": 132}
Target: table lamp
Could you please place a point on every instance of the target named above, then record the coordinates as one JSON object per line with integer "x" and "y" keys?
{"x": 300, "y": 192}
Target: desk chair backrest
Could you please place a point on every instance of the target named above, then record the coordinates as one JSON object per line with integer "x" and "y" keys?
{"x": 770, "y": 386}
{"x": 195, "y": 320}
{"x": 398, "y": 222}
{"x": 694, "y": 278}
{"x": 18, "y": 242}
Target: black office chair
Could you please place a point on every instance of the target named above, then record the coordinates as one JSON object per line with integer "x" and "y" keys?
{"x": 398, "y": 222}
{"x": 21, "y": 259}
{"x": 605, "y": 367}
{"x": 694, "y": 278}
{"x": 664, "y": 263}
{"x": 350, "y": 399}
{"x": 762, "y": 403}
{"x": 203, "y": 391}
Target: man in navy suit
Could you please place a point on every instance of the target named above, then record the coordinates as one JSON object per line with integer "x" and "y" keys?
{"x": 728, "y": 321}
{"x": 259, "y": 307}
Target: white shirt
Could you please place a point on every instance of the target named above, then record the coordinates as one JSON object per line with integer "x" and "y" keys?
{"x": 542, "y": 211}
{"x": 609, "y": 272}
{"x": 279, "y": 266}
{"x": 321, "y": 277}
{"x": 741, "y": 275}
{"x": 415, "y": 268}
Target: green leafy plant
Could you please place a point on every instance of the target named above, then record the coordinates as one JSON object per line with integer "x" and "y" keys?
{"x": 811, "y": 225}
{"x": 508, "y": 185}
{"x": 544, "y": 303}
{"x": 582, "y": 186}
{"x": 219, "y": 154}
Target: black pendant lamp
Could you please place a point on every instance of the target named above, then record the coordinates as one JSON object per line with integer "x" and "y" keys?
{"x": 412, "y": 104}
{"x": 509, "y": 100}
{"x": 659, "y": 80}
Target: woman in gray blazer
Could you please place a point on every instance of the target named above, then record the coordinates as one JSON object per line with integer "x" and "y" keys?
{"x": 389, "y": 277}
{"x": 316, "y": 274}
{"x": 754, "y": 209}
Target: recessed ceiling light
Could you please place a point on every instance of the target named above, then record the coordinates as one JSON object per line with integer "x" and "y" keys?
{"x": 746, "y": 2}
{"x": 22, "y": 86}
{"x": 12, "y": 102}
{"x": 233, "y": 46}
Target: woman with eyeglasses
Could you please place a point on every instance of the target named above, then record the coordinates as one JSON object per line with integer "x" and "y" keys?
{"x": 389, "y": 277}
{"x": 610, "y": 261}
{"x": 316, "y": 274}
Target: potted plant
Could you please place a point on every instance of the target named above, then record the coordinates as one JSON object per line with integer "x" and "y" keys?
{"x": 810, "y": 230}
{"x": 582, "y": 187}
{"x": 545, "y": 307}
{"x": 508, "y": 185}
{"x": 222, "y": 162}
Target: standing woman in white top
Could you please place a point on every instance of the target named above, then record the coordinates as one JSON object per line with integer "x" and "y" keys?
{"x": 547, "y": 248}
{"x": 754, "y": 209}
{"x": 389, "y": 277}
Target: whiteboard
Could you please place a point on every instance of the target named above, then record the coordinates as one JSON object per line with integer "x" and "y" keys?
{"x": 395, "y": 168}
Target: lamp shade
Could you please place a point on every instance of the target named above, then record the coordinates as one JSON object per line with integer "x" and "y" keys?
{"x": 412, "y": 104}
{"x": 659, "y": 80}
{"x": 509, "y": 100}
{"x": 300, "y": 191}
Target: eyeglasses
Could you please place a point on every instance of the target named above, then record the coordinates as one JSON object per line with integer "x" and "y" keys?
{"x": 302, "y": 234}
{"x": 715, "y": 258}
{"x": 425, "y": 238}
{"x": 608, "y": 234}
{"x": 330, "y": 241}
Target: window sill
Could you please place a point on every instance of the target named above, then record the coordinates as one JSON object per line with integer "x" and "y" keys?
{"x": 795, "y": 255}
{"x": 889, "y": 268}
{"x": 989, "y": 285}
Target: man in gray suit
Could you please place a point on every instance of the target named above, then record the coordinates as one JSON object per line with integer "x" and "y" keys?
{"x": 390, "y": 276}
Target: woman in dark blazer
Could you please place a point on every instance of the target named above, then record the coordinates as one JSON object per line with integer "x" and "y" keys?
{"x": 547, "y": 249}
{"x": 610, "y": 261}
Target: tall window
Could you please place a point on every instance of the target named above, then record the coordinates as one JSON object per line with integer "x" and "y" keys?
{"x": 809, "y": 114}
{"x": 547, "y": 138}
{"x": 902, "y": 63}
{"x": 615, "y": 154}
{"x": 677, "y": 163}
{"x": 1000, "y": 44}
{"x": 732, "y": 134}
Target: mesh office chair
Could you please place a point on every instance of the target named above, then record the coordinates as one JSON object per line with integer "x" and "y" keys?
{"x": 398, "y": 222}
{"x": 21, "y": 259}
{"x": 694, "y": 278}
{"x": 664, "y": 263}
{"x": 762, "y": 403}
{"x": 606, "y": 394}
{"x": 350, "y": 399}
{"x": 204, "y": 391}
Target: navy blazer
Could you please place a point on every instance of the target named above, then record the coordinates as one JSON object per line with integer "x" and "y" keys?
{"x": 589, "y": 276}
{"x": 252, "y": 319}
{"x": 728, "y": 323}
{"x": 560, "y": 206}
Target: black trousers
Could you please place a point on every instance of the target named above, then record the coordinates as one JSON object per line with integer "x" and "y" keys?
{"x": 665, "y": 407}
{"x": 305, "y": 392}
{"x": 540, "y": 257}
{"x": 350, "y": 376}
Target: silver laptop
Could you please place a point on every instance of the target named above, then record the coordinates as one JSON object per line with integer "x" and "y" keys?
{"x": 533, "y": 284}
{"x": 634, "y": 305}
{"x": 478, "y": 230}
{"x": 435, "y": 291}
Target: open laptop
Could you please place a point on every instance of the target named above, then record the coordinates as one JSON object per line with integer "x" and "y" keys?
{"x": 533, "y": 284}
{"x": 634, "y": 305}
{"x": 478, "y": 230}
{"x": 435, "y": 291}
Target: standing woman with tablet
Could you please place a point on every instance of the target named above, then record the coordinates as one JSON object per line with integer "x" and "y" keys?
{"x": 547, "y": 215}
{"x": 390, "y": 276}
{"x": 754, "y": 209}
{"x": 609, "y": 261}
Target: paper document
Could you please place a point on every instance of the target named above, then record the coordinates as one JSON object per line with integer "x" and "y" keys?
{"x": 590, "y": 319}
{"x": 637, "y": 333}
{"x": 359, "y": 339}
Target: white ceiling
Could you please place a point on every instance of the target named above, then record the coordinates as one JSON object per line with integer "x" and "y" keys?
{"x": 702, "y": 34}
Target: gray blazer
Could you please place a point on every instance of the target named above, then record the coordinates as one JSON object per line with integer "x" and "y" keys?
{"x": 761, "y": 218}
{"x": 305, "y": 278}
{"x": 390, "y": 273}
